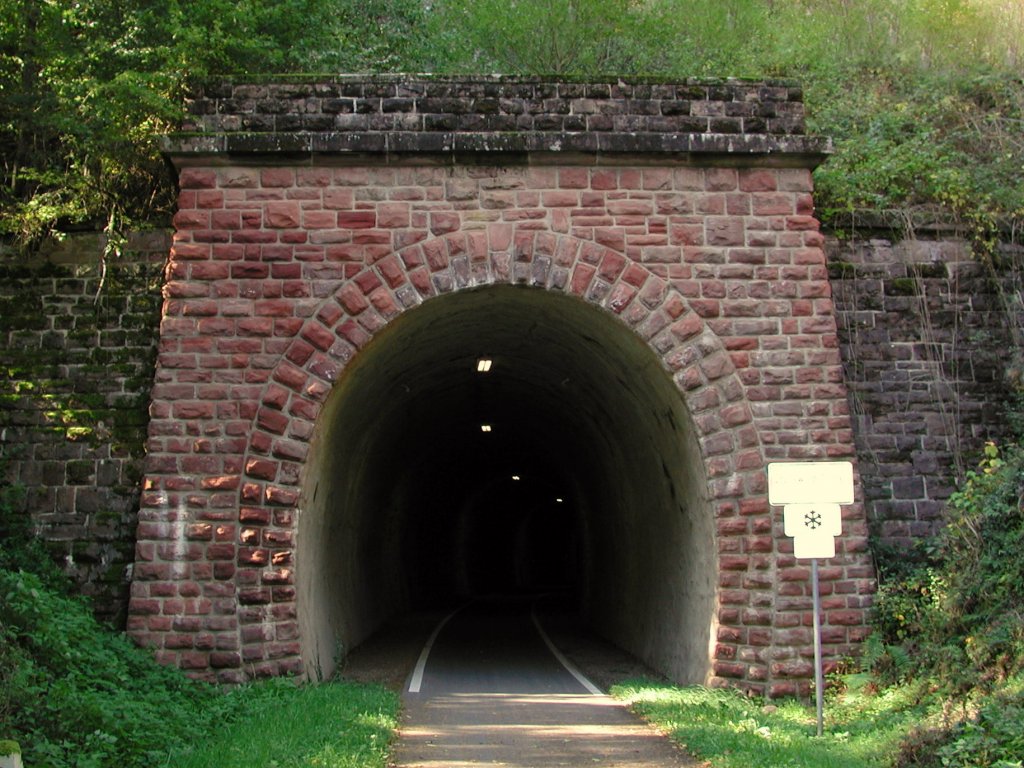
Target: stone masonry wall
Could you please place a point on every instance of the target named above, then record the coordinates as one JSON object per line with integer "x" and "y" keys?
{"x": 931, "y": 339}
{"x": 313, "y": 213}
{"x": 77, "y": 351}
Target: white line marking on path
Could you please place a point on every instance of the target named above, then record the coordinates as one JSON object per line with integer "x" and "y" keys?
{"x": 416, "y": 681}
{"x": 569, "y": 666}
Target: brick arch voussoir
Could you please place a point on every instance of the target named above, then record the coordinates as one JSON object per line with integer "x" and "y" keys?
{"x": 494, "y": 254}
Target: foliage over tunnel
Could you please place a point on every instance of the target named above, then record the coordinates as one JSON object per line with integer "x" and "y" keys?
{"x": 924, "y": 99}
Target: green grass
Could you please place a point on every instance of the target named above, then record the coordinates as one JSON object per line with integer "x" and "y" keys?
{"x": 733, "y": 731}
{"x": 76, "y": 695}
{"x": 333, "y": 725}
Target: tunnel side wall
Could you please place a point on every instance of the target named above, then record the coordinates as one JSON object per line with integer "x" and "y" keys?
{"x": 280, "y": 275}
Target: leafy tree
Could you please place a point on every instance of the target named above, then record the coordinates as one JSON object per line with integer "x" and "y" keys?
{"x": 924, "y": 98}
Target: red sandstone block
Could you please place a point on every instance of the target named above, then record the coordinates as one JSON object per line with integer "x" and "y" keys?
{"x": 324, "y": 367}
{"x": 725, "y": 651}
{"x": 758, "y": 180}
{"x": 199, "y": 531}
{"x": 225, "y": 659}
{"x": 260, "y": 596}
{"x": 277, "y": 177}
{"x": 249, "y": 536}
{"x": 384, "y": 303}
{"x": 393, "y": 215}
{"x": 720, "y": 180}
{"x": 352, "y": 299}
{"x": 657, "y": 178}
{"x": 318, "y": 336}
{"x": 197, "y": 178}
{"x": 253, "y": 556}
{"x": 210, "y": 199}
{"x": 728, "y": 669}
{"x": 845, "y": 617}
{"x": 263, "y": 469}
{"x": 178, "y": 641}
{"x": 354, "y": 334}
{"x": 604, "y": 179}
{"x": 554, "y": 198}
{"x": 573, "y": 178}
{"x": 687, "y": 326}
{"x": 293, "y": 450}
{"x": 276, "y": 577}
{"x": 793, "y": 668}
{"x": 193, "y": 251}
{"x": 224, "y": 571}
{"x": 357, "y": 219}
{"x": 249, "y": 271}
{"x": 278, "y": 496}
{"x": 220, "y": 551}
{"x": 372, "y": 237}
{"x": 319, "y": 219}
{"x": 612, "y": 265}
{"x": 306, "y": 409}
{"x": 338, "y": 199}
{"x": 631, "y": 208}
{"x": 198, "y": 660}
{"x": 581, "y": 277}
{"x": 611, "y": 237}
{"x": 144, "y": 607}
{"x": 190, "y": 220}
{"x": 620, "y": 297}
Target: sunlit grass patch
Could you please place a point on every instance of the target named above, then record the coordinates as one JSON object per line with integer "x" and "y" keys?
{"x": 733, "y": 731}
{"x": 333, "y": 725}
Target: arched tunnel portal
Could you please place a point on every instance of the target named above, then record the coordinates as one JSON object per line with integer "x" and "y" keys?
{"x": 570, "y": 465}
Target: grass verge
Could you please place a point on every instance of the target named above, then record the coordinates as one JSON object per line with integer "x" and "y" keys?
{"x": 279, "y": 725}
{"x": 730, "y": 730}
{"x": 76, "y": 695}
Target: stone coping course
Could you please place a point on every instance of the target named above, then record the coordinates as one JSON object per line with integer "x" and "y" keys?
{"x": 406, "y": 114}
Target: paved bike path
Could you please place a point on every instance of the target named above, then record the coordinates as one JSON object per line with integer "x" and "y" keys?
{"x": 492, "y": 691}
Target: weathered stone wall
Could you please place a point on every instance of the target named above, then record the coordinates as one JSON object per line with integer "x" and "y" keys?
{"x": 931, "y": 339}
{"x": 77, "y": 349}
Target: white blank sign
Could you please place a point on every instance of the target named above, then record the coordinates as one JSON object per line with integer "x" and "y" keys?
{"x": 810, "y": 482}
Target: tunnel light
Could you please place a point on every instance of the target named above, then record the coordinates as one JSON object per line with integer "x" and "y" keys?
{"x": 558, "y": 500}
{"x": 483, "y": 365}
{"x": 485, "y": 427}
{"x": 516, "y": 477}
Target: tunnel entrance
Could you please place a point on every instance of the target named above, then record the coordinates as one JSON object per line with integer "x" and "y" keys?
{"x": 570, "y": 464}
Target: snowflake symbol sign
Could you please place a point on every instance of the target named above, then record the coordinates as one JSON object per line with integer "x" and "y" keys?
{"x": 812, "y": 520}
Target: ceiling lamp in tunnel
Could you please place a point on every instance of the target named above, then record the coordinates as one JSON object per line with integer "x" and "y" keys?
{"x": 483, "y": 365}
{"x": 515, "y": 477}
{"x": 485, "y": 427}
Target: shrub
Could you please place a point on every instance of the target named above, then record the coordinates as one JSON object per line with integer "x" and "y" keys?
{"x": 74, "y": 694}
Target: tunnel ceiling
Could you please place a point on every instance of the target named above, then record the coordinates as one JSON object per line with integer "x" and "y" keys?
{"x": 557, "y": 383}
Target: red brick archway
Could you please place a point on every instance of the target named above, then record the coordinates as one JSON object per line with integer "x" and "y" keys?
{"x": 280, "y": 274}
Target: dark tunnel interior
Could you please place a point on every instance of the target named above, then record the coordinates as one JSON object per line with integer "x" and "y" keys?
{"x": 571, "y": 464}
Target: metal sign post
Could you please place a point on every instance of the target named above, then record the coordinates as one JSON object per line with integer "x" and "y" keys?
{"x": 810, "y": 494}
{"x": 819, "y": 677}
